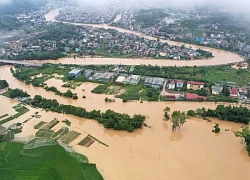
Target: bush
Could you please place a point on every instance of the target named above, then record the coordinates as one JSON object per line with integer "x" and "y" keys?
{"x": 191, "y": 113}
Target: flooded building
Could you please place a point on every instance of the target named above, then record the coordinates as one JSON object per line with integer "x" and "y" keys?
{"x": 157, "y": 82}
{"x": 75, "y": 73}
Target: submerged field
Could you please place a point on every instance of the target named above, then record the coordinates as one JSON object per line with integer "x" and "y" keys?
{"x": 43, "y": 159}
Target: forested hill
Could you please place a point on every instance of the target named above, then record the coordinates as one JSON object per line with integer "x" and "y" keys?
{"x": 21, "y": 6}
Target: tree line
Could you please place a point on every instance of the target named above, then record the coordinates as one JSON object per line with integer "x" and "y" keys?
{"x": 228, "y": 113}
{"x": 109, "y": 119}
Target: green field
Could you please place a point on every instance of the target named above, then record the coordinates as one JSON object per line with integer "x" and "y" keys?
{"x": 20, "y": 111}
{"x": 43, "y": 159}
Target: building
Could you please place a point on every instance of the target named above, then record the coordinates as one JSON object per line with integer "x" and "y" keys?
{"x": 192, "y": 97}
{"x": 120, "y": 80}
{"x": 96, "y": 76}
{"x": 216, "y": 89}
{"x": 179, "y": 83}
{"x": 148, "y": 81}
{"x": 157, "y": 82}
{"x": 171, "y": 85}
{"x": 234, "y": 92}
{"x": 106, "y": 77}
{"x": 170, "y": 97}
{"x": 87, "y": 73}
{"x": 133, "y": 80}
{"x": 75, "y": 73}
{"x": 195, "y": 85}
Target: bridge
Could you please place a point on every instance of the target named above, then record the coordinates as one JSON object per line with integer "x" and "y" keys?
{"x": 13, "y": 62}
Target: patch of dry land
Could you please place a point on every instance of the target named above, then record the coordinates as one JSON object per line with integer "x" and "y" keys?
{"x": 193, "y": 152}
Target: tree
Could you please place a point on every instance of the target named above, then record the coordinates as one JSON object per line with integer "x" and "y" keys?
{"x": 226, "y": 91}
{"x": 166, "y": 111}
{"x": 38, "y": 98}
{"x": 178, "y": 119}
{"x": 3, "y": 84}
{"x": 199, "y": 112}
{"x": 244, "y": 134}
{"x": 191, "y": 113}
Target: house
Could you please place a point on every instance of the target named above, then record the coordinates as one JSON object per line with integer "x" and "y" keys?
{"x": 195, "y": 85}
{"x": 234, "y": 92}
{"x": 216, "y": 89}
{"x": 87, "y": 72}
{"x": 243, "y": 93}
{"x": 75, "y": 73}
{"x": 179, "y": 83}
{"x": 120, "y": 80}
{"x": 106, "y": 77}
{"x": 148, "y": 81}
{"x": 157, "y": 82}
{"x": 96, "y": 77}
{"x": 171, "y": 85}
{"x": 192, "y": 97}
{"x": 133, "y": 80}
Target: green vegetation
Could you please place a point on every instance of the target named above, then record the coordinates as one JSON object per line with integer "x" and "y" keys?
{"x": 51, "y": 124}
{"x": 3, "y": 116}
{"x": 8, "y": 136}
{"x": 245, "y": 135}
{"x": 166, "y": 111}
{"x": 131, "y": 93}
{"x": 100, "y": 89}
{"x": 39, "y": 125}
{"x": 86, "y": 142}
{"x": 60, "y": 134}
{"x": 216, "y": 128}
{"x": 3, "y": 84}
{"x": 109, "y": 119}
{"x": 44, "y": 133}
{"x": 98, "y": 140}
{"x": 21, "y": 111}
{"x": 178, "y": 119}
{"x": 57, "y": 133}
{"x": 229, "y": 113}
{"x": 69, "y": 137}
{"x": 205, "y": 74}
{"x": 13, "y": 93}
{"x": 43, "y": 160}
{"x": 67, "y": 122}
{"x": 150, "y": 94}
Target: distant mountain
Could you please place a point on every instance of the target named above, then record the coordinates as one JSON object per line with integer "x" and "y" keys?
{"x": 21, "y": 6}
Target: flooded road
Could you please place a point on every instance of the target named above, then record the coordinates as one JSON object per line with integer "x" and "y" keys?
{"x": 221, "y": 56}
{"x": 158, "y": 153}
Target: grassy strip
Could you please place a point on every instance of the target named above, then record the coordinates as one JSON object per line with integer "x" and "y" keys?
{"x": 61, "y": 135}
{"x": 21, "y": 111}
{"x": 69, "y": 137}
{"x": 3, "y": 116}
{"x": 86, "y": 142}
{"x": 44, "y": 133}
{"x": 98, "y": 140}
{"x": 57, "y": 133}
{"x": 39, "y": 125}
{"x": 51, "y": 124}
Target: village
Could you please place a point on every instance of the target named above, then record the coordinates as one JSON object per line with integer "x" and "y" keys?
{"x": 95, "y": 42}
{"x": 170, "y": 89}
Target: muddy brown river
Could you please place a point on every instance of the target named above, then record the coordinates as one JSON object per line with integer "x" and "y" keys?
{"x": 221, "y": 56}
{"x": 156, "y": 153}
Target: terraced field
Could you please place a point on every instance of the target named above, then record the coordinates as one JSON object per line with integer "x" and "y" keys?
{"x": 43, "y": 159}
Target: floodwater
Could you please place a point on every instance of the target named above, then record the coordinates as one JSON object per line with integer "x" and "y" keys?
{"x": 158, "y": 153}
{"x": 221, "y": 56}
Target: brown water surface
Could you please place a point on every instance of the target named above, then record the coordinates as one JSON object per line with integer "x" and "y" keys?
{"x": 193, "y": 152}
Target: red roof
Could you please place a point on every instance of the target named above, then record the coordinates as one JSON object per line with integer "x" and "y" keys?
{"x": 195, "y": 83}
{"x": 233, "y": 91}
{"x": 172, "y": 82}
{"x": 179, "y": 82}
{"x": 192, "y": 96}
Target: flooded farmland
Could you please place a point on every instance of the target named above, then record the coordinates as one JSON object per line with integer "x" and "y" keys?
{"x": 193, "y": 152}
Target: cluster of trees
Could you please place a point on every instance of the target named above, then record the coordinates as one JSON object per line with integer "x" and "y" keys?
{"x": 178, "y": 119}
{"x": 3, "y": 84}
{"x": 40, "y": 56}
{"x": 68, "y": 93}
{"x": 109, "y": 119}
{"x": 13, "y": 93}
{"x": 229, "y": 113}
{"x": 245, "y": 135}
